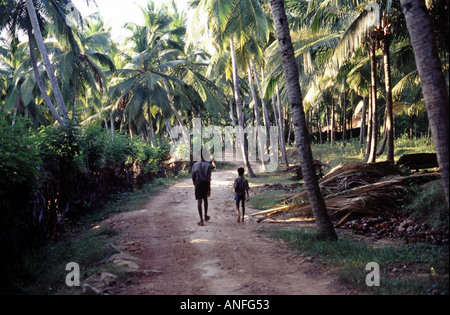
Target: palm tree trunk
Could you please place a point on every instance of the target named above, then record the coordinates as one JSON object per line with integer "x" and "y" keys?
{"x": 280, "y": 134}
{"x": 281, "y": 127}
{"x": 48, "y": 66}
{"x": 373, "y": 91}
{"x": 369, "y": 127}
{"x": 266, "y": 119}
{"x": 344, "y": 118}
{"x": 231, "y": 113}
{"x": 40, "y": 82}
{"x": 261, "y": 151}
{"x": 363, "y": 124}
{"x": 323, "y": 221}
{"x": 319, "y": 125}
{"x": 327, "y": 123}
{"x": 384, "y": 141}
{"x": 333, "y": 120}
{"x": 389, "y": 130}
{"x": 240, "y": 112}
{"x": 432, "y": 80}
{"x": 150, "y": 123}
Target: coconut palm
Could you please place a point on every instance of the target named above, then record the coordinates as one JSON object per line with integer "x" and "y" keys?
{"x": 35, "y": 18}
{"x": 14, "y": 18}
{"x": 432, "y": 80}
{"x": 45, "y": 57}
{"x": 324, "y": 224}
{"x": 232, "y": 24}
{"x": 160, "y": 77}
{"x": 143, "y": 81}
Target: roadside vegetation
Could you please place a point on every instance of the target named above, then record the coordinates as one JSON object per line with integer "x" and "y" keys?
{"x": 405, "y": 267}
{"x": 87, "y": 240}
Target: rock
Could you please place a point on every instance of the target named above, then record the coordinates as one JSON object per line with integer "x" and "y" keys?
{"x": 113, "y": 248}
{"x": 124, "y": 259}
{"x": 127, "y": 263}
{"x": 95, "y": 281}
{"x": 90, "y": 290}
{"x": 108, "y": 278}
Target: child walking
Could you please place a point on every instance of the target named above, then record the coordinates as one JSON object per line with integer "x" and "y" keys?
{"x": 241, "y": 189}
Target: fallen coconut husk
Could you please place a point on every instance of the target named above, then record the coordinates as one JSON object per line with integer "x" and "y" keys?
{"x": 354, "y": 189}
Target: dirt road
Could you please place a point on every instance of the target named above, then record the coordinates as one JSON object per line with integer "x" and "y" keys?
{"x": 173, "y": 255}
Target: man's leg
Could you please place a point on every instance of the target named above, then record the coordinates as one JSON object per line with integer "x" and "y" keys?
{"x": 199, "y": 206}
{"x": 205, "y": 203}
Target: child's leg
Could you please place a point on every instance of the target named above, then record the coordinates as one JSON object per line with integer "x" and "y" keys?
{"x": 237, "y": 210}
{"x": 243, "y": 209}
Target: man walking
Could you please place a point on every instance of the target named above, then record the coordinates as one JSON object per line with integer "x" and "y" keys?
{"x": 201, "y": 177}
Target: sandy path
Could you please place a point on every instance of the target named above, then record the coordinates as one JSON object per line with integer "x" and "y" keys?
{"x": 222, "y": 257}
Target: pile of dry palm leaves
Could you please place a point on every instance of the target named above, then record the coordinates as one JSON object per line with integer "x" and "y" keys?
{"x": 354, "y": 189}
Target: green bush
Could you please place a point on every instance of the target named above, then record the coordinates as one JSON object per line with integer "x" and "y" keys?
{"x": 143, "y": 153}
{"x": 427, "y": 202}
{"x": 118, "y": 149}
{"x": 94, "y": 143}
{"x": 19, "y": 158}
{"x": 60, "y": 150}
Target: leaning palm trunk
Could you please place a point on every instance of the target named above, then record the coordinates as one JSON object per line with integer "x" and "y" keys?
{"x": 323, "y": 221}
{"x": 432, "y": 80}
{"x": 40, "y": 82}
{"x": 48, "y": 66}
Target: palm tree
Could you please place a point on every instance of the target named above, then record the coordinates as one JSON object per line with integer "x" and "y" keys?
{"x": 14, "y": 17}
{"x": 232, "y": 24}
{"x": 48, "y": 66}
{"x": 371, "y": 27}
{"x": 70, "y": 58}
{"x": 323, "y": 221}
{"x": 239, "y": 108}
{"x": 144, "y": 81}
{"x": 161, "y": 75}
{"x": 433, "y": 82}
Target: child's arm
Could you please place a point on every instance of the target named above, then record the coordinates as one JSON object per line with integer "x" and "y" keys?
{"x": 248, "y": 196}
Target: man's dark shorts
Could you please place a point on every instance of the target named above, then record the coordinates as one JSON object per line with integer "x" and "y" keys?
{"x": 201, "y": 189}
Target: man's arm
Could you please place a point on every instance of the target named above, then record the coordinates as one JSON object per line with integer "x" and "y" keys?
{"x": 194, "y": 174}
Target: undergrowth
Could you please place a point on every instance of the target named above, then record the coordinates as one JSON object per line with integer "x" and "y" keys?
{"x": 405, "y": 269}
{"x": 42, "y": 269}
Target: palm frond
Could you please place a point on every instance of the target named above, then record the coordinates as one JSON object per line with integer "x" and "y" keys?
{"x": 354, "y": 189}
{"x": 356, "y": 33}
{"x": 408, "y": 80}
